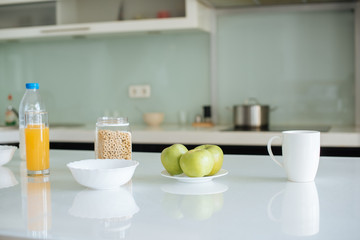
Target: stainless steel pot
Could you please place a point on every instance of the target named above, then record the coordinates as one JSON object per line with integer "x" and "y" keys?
{"x": 251, "y": 114}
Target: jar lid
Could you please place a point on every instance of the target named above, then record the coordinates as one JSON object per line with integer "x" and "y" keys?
{"x": 113, "y": 121}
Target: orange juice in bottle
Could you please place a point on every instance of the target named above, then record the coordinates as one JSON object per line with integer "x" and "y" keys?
{"x": 37, "y": 143}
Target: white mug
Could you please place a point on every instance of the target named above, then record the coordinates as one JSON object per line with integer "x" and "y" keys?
{"x": 301, "y": 154}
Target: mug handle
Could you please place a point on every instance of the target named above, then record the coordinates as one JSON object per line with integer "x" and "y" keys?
{"x": 271, "y": 153}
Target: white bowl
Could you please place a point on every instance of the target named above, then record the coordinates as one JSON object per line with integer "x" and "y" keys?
{"x": 6, "y": 154}
{"x": 103, "y": 173}
{"x": 153, "y": 118}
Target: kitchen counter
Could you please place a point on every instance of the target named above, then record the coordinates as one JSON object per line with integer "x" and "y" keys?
{"x": 254, "y": 201}
{"x": 168, "y": 134}
{"x": 338, "y": 141}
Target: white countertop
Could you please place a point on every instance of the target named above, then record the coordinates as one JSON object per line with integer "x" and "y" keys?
{"x": 168, "y": 134}
{"x": 254, "y": 201}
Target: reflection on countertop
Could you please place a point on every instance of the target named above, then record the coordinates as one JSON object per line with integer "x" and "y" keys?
{"x": 300, "y": 210}
{"x": 110, "y": 210}
{"x": 7, "y": 178}
{"x": 196, "y": 201}
{"x": 38, "y": 206}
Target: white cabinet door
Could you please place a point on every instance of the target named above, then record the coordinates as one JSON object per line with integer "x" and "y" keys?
{"x": 88, "y": 17}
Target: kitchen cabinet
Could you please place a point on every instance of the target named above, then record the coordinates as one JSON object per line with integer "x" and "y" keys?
{"x": 253, "y": 3}
{"x": 34, "y": 19}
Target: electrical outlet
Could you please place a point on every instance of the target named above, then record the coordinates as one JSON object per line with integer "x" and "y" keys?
{"x": 139, "y": 91}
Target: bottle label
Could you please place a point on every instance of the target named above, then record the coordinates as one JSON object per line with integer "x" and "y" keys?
{"x": 10, "y": 118}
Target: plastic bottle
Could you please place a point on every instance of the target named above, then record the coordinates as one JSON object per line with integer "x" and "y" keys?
{"x": 11, "y": 115}
{"x": 31, "y": 101}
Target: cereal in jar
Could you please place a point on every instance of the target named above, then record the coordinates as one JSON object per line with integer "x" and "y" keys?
{"x": 113, "y": 138}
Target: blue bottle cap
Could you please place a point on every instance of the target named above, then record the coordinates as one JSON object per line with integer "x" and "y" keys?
{"x": 32, "y": 86}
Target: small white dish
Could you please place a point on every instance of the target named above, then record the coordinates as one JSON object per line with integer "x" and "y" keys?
{"x": 103, "y": 173}
{"x": 6, "y": 153}
{"x": 206, "y": 188}
{"x": 183, "y": 178}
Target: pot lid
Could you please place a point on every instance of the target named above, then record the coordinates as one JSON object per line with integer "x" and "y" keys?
{"x": 252, "y": 102}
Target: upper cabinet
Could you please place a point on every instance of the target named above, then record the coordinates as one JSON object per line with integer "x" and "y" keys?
{"x": 255, "y": 3}
{"x": 29, "y": 19}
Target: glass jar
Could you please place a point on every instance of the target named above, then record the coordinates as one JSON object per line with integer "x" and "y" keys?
{"x": 113, "y": 138}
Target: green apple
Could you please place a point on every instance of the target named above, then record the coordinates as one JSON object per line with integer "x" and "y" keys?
{"x": 170, "y": 157}
{"x": 197, "y": 162}
{"x": 217, "y": 154}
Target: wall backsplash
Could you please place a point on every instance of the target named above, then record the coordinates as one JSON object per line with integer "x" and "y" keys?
{"x": 82, "y": 79}
{"x": 300, "y": 62}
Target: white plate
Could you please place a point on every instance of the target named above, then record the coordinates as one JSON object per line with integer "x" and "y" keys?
{"x": 183, "y": 178}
